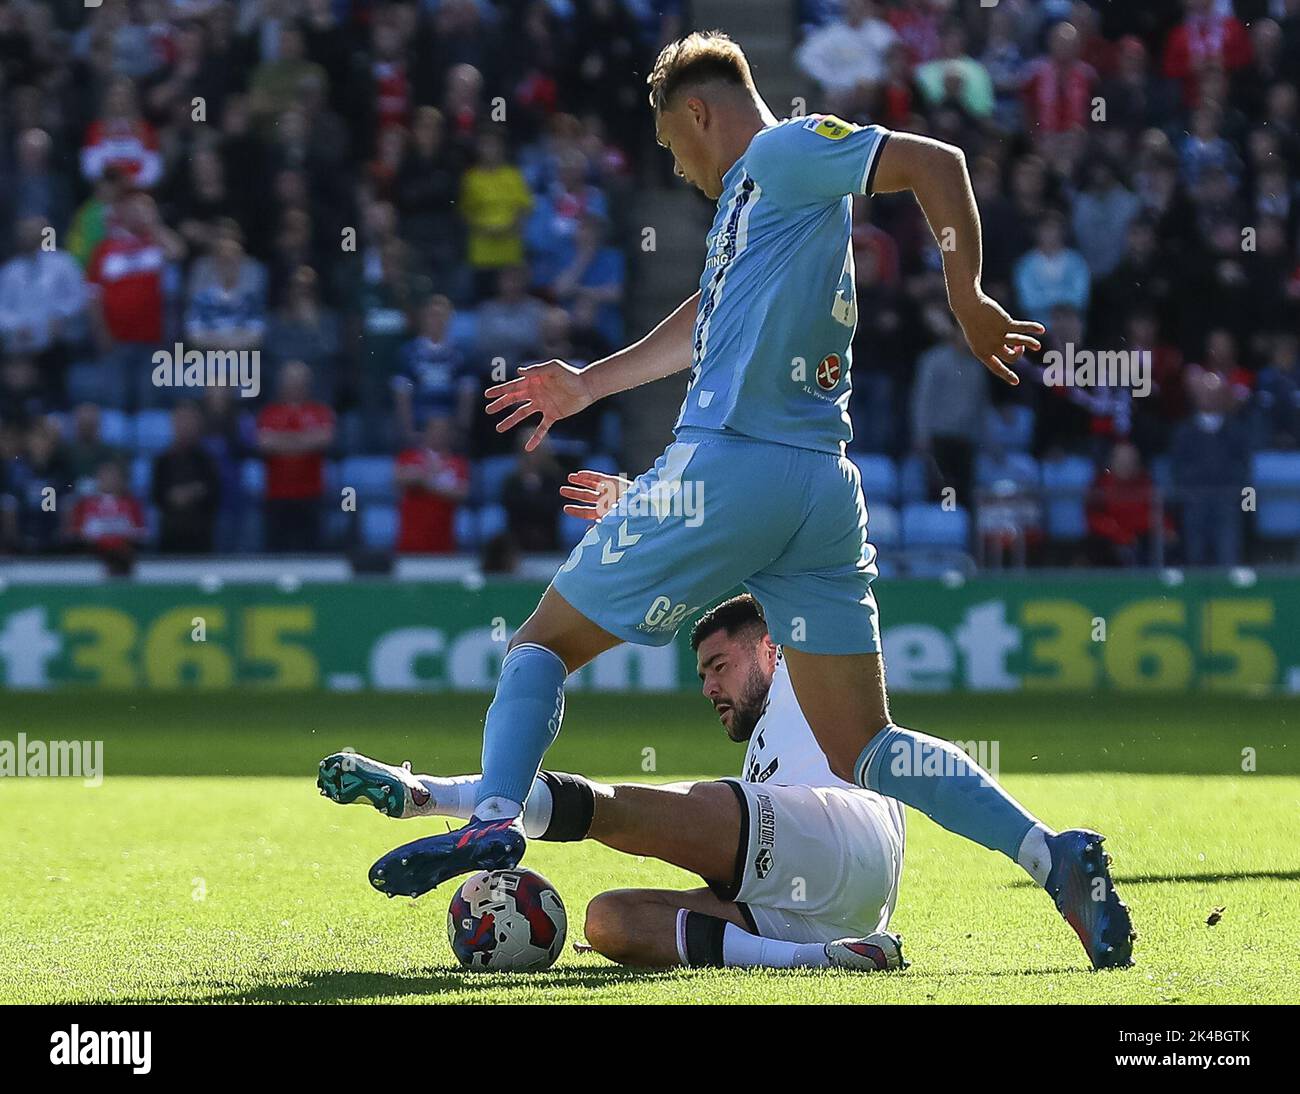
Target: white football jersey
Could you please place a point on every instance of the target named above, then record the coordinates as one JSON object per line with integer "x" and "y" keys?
{"x": 783, "y": 749}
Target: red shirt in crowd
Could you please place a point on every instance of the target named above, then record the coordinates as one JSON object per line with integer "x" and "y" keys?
{"x": 301, "y": 475}
{"x": 130, "y": 147}
{"x": 108, "y": 522}
{"x": 1201, "y": 40}
{"x": 1058, "y": 98}
{"x": 128, "y": 269}
{"x": 1120, "y": 510}
{"x": 426, "y": 520}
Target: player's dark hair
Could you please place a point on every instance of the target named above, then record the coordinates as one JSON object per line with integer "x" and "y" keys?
{"x": 703, "y": 57}
{"x": 731, "y": 616}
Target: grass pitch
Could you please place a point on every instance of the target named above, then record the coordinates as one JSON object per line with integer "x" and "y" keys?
{"x": 207, "y": 869}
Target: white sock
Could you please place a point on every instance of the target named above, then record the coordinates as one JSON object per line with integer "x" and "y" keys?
{"x": 1034, "y": 856}
{"x": 742, "y": 950}
{"x": 454, "y": 797}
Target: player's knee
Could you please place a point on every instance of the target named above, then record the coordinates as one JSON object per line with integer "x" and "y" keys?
{"x": 607, "y": 928}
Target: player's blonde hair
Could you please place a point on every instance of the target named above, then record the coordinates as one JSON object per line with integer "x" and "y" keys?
{"x": 703, "y": 57}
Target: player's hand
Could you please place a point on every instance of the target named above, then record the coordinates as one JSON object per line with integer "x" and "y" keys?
{"x": 994, "y": 337}
{"x": 552, "y": 389}
{"x": 597, "y": 492}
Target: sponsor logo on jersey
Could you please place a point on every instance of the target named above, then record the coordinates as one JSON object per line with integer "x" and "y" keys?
{"x": 828, "y": 126}
{"x": 764, "y": 860}
{"x": 829, "y": 370}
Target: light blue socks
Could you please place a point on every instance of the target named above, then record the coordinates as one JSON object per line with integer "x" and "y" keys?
{"x": 522, "y": 723}
{"x": 945, "y": 784}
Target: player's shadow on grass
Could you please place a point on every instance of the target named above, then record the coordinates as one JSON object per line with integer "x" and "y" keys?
{"x": 350, "y": 986}
{"x": 1157, "y": 879}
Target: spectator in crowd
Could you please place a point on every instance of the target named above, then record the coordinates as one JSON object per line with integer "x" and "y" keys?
{"x": 276, "y": 81}
{"x": 293, "y": 434}
{"x": 24, "y": 394}
{"x": 1059, "y": 89}
{"x": 109, "y": 521}
{"x": 957, "y": 77}
{"x": 552, "y": 230}
{"x": 226, "y": 311}
{"x": 433, "y": 380}
{"x": 230, "y": 437}
{"x": 596, "y": 275}
{"x": 846, "y": 57}
{"x": 42, "y": 300}
{"x": 39, "y": 489}
{"x": 426, "y": 190}
{"x": 126, "y": 275}
{"x": 121, "y": 140}
{"x": 949, "y": 404}
{"x": 495, "y": 202}
{"x": 186, "y": 486}
{"x": 529, "y": 498}
{"x": 303, "y": 329}
{"x": 1277, "y": 394}
{"x": 1123, "y": 509}
{"x": 1207, "y": 38}
{"x": 87, "y": 450}
{"x": 1052, "y": 273}
{"x": 510, "y": 323}
{"x": 1210, "y": 457}
{"x": 433, "y": 480}
{"x": 1102, "y": 213}
{"x": 36, "y": 188}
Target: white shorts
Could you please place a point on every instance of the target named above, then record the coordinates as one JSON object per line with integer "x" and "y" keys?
{"x": 815, "y": 863}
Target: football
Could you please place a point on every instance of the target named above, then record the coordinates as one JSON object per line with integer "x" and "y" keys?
{"x": 507, "y": 920}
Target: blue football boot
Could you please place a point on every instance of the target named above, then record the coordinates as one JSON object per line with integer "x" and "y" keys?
{"x": 423, "y": 864}
{"x": 1079, "y": 882}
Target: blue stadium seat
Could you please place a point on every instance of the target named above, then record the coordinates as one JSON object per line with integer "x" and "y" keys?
{"x": 1010, "y": 427}
{"x": 912, "y": 479}
{"x": 492, "y": 521}
{"x": 884, "y": 526}
{"x": 1065, "y": 489}
{"x": 378, "y": 525}
{"x": 464, "y": 527}
{"x": 115, "y": 428}
{"x": 1018, "y": 468}
{"x": 252, "y": 478}
{"x": 1276, "y": 477}
{"x": 490, "y": 476}
{"x": 931, "y": 525}
{"x": 370, "y": 476}
{"x": 879, "y": 477}
{"x": 141, "y": 476}
{"x": 153, "y": 430}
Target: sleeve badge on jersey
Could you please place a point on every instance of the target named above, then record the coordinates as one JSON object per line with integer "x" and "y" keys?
{"x": 829, "y": 126}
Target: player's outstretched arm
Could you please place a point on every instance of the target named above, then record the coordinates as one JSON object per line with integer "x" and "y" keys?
{"x": 556, "y": 390}
{"x": 936, "y": 173}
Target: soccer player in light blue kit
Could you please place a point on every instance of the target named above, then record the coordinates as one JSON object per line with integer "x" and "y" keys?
{"x": 756, "y": 489}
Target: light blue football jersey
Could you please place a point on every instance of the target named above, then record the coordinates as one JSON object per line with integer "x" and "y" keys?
{"x": 778, "y": 305}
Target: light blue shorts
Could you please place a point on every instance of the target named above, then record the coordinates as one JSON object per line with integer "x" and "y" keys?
{"x": 719, "y": 510}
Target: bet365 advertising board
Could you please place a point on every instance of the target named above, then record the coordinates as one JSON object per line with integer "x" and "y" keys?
{"x": 1132, "y": 633}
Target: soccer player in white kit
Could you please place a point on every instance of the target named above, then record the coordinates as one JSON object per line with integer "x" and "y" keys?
{"x": 801, "y": 868}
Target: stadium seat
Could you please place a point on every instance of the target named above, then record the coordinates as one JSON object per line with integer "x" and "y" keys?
{"x": 931, "y": 525}
{"x": 912, "y": 479}
{"x": 1009, "y": 427}
{"x": 1065, "y": 489}
{"x": 370, "y": 476}
{"x": 378, "y": 525}
{"x": 153, "y": 431}
{"x": 490, "y": 476}
{"x": 879, "y": 477}
{"x": 884, "y": 527}
{"x": 115, "y": 428}
{"x": 252, "y": 478}
{"x": 1276, "y": 477}
{"x": 1013, "y": 469}
{"x": 141, "y": 476}
{"x": 571, "y": 530}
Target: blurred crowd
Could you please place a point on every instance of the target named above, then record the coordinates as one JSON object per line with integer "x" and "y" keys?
{"x": 395, "y": 203}
{"x": 1136, "y": 168}
{"x": 390, "y": 204}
